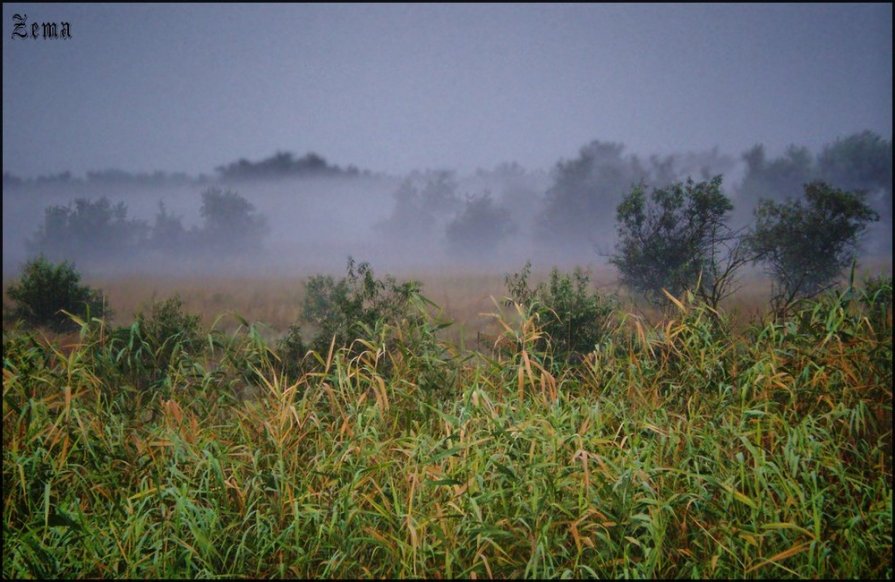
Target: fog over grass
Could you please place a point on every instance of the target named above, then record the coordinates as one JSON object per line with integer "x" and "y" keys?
{"x": 448, "y": 136}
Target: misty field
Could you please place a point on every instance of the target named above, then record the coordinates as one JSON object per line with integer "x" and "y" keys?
{"x": 686, "y": 443}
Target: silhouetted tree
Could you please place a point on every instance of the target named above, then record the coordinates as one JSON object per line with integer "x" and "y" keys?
{"x": 230, "y": 222}
{"x": 423, "y": 202}
{"x": 863, "y": 161}
{"x": 678, "y": 239}
{"x": 806, "y": 244}
{"x": 168, "y": 233}
{"x": 478, "y": 228}
{"x": 92, "y": 229}
{"x": 776, "y": 179}
{"x": 583, "y": 189}
{"x": 282, "y": 165}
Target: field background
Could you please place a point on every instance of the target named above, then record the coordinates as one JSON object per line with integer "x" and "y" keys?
{"x": 466, "y": 296}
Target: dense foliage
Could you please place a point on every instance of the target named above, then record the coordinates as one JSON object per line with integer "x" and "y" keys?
{"x": 46, "y": 290}
{"x": 805, "y": 245}
{"x": 572, "y": 316}
{"x": 678, "y": 239}
{"x": 352, "y": 307}
{"x": 679, "y": 449}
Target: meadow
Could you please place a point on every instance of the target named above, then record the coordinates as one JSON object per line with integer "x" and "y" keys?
{"x": 453, "y": 441}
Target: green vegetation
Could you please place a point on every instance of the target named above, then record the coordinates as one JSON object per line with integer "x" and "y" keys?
{"x": 46, "y": 291}
{"x": 805, "y": 246}
{"x": 572, "y": 318}
{"x": 678, "y": 239}
{"x": 681, "y": 448}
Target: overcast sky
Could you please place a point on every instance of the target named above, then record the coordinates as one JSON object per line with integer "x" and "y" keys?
{"x": 393, "y": 88}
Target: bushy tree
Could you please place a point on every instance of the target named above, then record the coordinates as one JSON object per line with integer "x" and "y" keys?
{"x": 805, "y": 244}
{"x": 423, "y": 202}
{"x": 478, "y": 228}
{"x": 862, "y": 161}
{"x": 573, "y": 316}
{"x": 678, "y": 239}
{"x": 583, "y": 187}
{"x": 231, "y": 223}
{"x": 168, "y": 233}
{"x": 46, "y": 289}
{"x": 574, "y": 215}
{"x": 89, "y": 229}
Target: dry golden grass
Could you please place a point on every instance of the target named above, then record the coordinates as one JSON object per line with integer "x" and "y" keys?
{"x": 467, "y": 296}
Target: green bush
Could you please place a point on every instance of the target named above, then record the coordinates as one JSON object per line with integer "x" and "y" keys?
{"x": 47, "y": 289}
{"x": 574, "y": 317}
{"x": 354, "y": 306}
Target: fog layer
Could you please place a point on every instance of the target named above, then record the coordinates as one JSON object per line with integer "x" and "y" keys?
{"x": 285, "y": 215}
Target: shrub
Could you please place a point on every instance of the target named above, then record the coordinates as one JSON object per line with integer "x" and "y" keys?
{"x": 352, "y": 307}
{"x": 46, "y": 289}
{"x": 574, "y": 318}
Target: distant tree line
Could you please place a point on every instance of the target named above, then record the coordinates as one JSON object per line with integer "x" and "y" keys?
{"x": 98, "y": 229}
{"x": 575, "y": 210}
{"x": 279, "y": 165}
{"x": 285, "y": 165}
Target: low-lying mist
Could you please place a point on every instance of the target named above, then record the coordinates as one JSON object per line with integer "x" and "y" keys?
{"x": 283, "y": 216}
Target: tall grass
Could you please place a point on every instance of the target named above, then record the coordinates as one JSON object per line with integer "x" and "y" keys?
{"x": 682, "y": 448}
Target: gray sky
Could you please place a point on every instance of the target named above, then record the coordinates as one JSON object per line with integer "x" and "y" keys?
{"x": 393, "y": 88}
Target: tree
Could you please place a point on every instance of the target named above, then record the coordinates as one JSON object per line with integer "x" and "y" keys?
{"x": 168, "y": 233}
{"x": 804, "y": 246}
{"x": 231, "y": 223}
{"x": 283, "y": 165}
{"x": 423, "y": 202}
{"x": 45, "y": 289}
{"x": 480, "y": 226}
{"x": 774, "y": 179}
{"x": 678, "y": 239}
{"x": 582, "y": 189}
{"x": 90, "y": 229}
{"x": 862, "y": 161}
